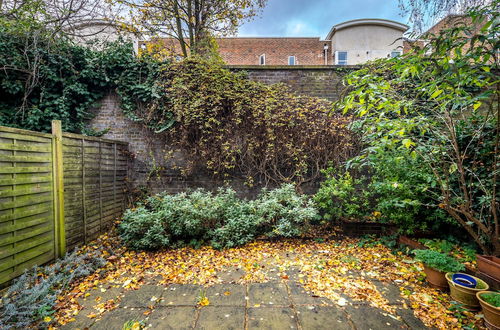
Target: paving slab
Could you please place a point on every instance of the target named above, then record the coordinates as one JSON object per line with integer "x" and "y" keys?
{"x": 268, "y": 294}
{"x": 271, "y": 319}
{"x": 410, "y": 319}
{"x": 147, "y": 295}
{"x": 178, "y": 318}
{"x": 181, "y": 294}
{"x": 370, "y": 318}
{"x": 115, "y": 319}
{"x": 227, "y": 318}
{"x": 390, "y": 292}
{"x": 322, "y": 317}
{"x": 300, "y": 296}
{"x": 227, "y": 295}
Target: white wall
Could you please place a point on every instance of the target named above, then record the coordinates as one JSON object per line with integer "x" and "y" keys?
{"x": 367, "y": 42}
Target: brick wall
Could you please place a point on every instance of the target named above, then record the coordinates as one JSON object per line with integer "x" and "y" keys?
{"x": 324, "y": 82}
{"x": 150, "y": 152}
{"x": 247, "y": 51}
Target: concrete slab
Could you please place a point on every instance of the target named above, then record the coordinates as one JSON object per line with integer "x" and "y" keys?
{"x": 322, "y": 317}
{"x": 410, "y": 319}
{"x": 300, "y": 296}
{"x": 370, "y": 318}
{"x": 271, "y": 319}
{"x": 227, "y": 318}
{"x": 145, "y": 296}
{"x": 390, "y": 292}
{"x": 273, "y": 294}
{"x": 178, "y": 318}
{"x": 181, "y": 295}
{"x": 115, "y": 319}
{"x": 227, "y": 295}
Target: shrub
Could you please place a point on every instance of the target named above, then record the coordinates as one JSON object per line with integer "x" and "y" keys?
{"x": 438, "y": 261}
{"x": 32, "y": 297}
{"x": 390, "y": 186}
{"x": 492, "y": 298}
{"x": 341, "y": 196}
{"x": 222, "y": 218}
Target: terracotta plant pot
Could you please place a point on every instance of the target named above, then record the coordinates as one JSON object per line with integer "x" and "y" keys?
{"x": 489, "y": 265}
{"x": 405, "y": 240}
{"x": 491, "y": 313}
{"x": 436, "y": 278}
{"x": 464, "y": 295}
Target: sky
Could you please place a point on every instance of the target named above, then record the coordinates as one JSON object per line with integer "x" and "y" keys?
{"x": 314, "y": 18}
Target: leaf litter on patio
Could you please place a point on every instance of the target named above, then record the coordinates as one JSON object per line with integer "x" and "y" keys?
{"x": 338, "y": 270}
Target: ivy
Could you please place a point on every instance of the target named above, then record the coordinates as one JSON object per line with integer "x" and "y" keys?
{"x": 45, "y": 78}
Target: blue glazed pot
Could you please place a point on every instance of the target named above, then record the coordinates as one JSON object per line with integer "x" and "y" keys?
{"x": 464, "y": 280}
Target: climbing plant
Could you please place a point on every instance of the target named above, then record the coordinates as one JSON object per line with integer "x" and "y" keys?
{"x": 226, "y": 123}
{"x": 46, "y": 77}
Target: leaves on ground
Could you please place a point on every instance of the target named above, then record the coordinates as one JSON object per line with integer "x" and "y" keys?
{"x": 338, "y": 270}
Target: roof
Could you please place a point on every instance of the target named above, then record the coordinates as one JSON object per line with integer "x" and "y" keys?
{"x": 367, "y": 21}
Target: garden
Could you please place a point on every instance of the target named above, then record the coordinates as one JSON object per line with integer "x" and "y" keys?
{"x": 411, "y": 148}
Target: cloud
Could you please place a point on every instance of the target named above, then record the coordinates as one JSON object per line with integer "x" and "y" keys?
{"x": 292, "y": 18}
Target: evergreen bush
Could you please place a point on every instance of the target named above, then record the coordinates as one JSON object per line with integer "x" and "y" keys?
{"x": 220, "y": 218}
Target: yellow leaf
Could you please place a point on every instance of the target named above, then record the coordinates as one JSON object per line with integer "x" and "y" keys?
{"x": 204, "y": 302}
{"x": 47, "y": 319}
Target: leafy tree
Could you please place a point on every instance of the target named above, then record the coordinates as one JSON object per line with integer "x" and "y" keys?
{"x": 192, "y": 22}
{"x": 423, "y": 12}
{"x": 441, "y": 104}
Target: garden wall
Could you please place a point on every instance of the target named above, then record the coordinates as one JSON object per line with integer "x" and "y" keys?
{"x": 318, "y": 81}
{"x": 152, "y": 173}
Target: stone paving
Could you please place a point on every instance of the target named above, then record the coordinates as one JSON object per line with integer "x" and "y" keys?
{"x": 278, "y": 304}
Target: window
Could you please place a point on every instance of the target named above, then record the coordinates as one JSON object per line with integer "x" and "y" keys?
{"x": 262, "y": 59}
{"x": 395, "y": 53}
{"x": 291, "y": 60}
{"x": 340, "y": 58}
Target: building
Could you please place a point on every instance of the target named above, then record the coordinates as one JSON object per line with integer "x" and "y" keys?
{"x": 349, "y": 43}
{"x": 89, "y": 31}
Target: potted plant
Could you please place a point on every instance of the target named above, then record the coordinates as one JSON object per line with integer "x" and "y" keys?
{"x": 464, "y": 294}
{"x": 490, "y": 303}
{"x": 489, "y": 265}
{"x": 436, "y": 265}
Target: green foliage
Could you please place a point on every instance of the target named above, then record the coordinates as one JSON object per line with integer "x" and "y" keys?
{"x": 438, "y": 261}
{"x": 45, "y": 78}
{"x": 438, "y": 108}
{"x": 492, "y": 298}
{"x": 387, "y": 186}
{"x": 33, "y": 296}
{"x": 341, "y": 196}
{"x": 222, "y": 218}
{"x": 228, "y": 123}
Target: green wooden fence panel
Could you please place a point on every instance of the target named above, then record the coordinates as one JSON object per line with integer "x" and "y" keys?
{"x": 57, "y": 191}
{"x": 26, "y": 201}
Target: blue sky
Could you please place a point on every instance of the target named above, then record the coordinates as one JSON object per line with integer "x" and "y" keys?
{"x": 314, "y": 18}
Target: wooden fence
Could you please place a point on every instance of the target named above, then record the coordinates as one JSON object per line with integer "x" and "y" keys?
{"x": 56, "y": 191}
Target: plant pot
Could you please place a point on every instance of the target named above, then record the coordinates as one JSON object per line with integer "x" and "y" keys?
{"x": 491, "y": 313}
{"x": 489, "y": 265}
{"x": 466, "y": 296}
{"x": 436, "y": 278}
{"x": 405, "y": 240}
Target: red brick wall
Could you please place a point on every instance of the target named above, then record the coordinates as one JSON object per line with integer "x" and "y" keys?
{"x": 246, "y": 51}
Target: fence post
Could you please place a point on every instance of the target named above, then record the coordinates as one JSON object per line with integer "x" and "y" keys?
{"x": 60, "y": 232}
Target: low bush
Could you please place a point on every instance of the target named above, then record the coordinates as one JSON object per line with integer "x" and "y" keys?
{"x": 220, "y": 218}
{"x": 492, "y": 298}
{"x": 438, "y": 261}
{"x": 32, "y": 297}
{"x": 391, "y": 187}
